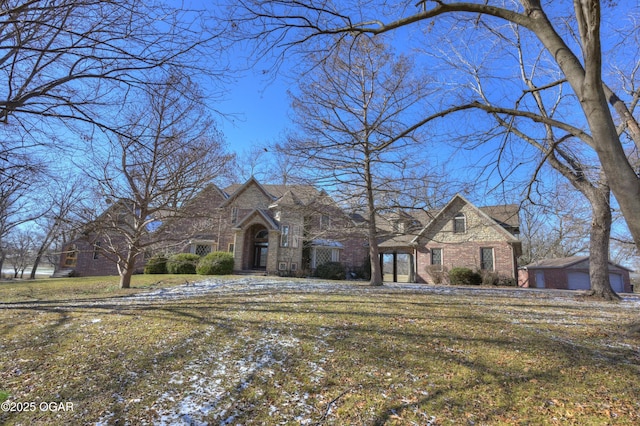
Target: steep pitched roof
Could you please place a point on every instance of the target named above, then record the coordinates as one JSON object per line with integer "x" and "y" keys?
{"x": 233, "y": 191}
{"x": 258, "y": 212}
{"x": 479, "y": 211}
{"x": 288, "y": 199}
{"x": 504, "y": 214}
{"x": 304, "y": 193}
{"x": 210, "y": 193}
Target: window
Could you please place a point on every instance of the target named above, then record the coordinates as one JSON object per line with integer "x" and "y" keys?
{"x": 96, "y": 249}
{"x": 284, "y": 236}
{"x": 282, "y": 266}
{"x": 231, "y": 247}
{"x": 202, "y": 249}
{"x": 71, "y": 256}
{"x": 436, "y": 257}
{"x": 325, "y": 222}
{"x": 297, "y": 231}
{"x": 486, "y": 259}
{"x": 322, "y": 255}
{"x": 234, "y": 215}
{"x": 459, "y": 224}
{"x": 262, "y": 235}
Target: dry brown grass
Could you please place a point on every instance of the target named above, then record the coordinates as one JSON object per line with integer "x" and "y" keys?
{"x": 347, "y": 354}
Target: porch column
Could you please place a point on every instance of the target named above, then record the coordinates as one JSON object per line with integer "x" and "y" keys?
{"x": 238, "y": 249}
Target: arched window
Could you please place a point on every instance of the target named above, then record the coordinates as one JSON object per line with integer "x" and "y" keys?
{"x": 262, "y": 235}
{"x": 459, "y": 224}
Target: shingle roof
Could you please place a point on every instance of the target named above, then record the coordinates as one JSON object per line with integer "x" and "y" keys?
{"x": 305, "y": 193}
{"x": 560, "y": 262}
{"x": 563, "y": 262}
{"x": 504, "y": 214}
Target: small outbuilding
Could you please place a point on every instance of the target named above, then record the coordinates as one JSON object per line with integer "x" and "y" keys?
{"x": 570, "y": 273}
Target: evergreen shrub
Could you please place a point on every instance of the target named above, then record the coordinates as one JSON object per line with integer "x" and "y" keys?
{"x": 331, "y": 271}
{"x": 182, "y": 263}
{"x": 216, "y": 263}
{"x": 156, "y": 265}
{"x": 464, "y": 276}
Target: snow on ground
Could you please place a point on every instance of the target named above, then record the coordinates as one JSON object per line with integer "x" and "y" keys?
{"x": 252, "y": 284}
{"x": 211, "y": 394}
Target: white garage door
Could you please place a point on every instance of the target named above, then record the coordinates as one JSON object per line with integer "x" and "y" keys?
{"x": 616, "y": 282}
{"x": 578, "y": 281}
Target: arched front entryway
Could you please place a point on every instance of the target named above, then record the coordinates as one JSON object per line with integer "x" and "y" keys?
{"x": 258, "y": 244}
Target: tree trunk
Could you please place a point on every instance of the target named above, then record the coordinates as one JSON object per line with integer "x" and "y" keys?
{"x": 43, "y": 248}
{"x": 376, "y": 271}
{"x": 125, "y": 277}
{"x": 127, "y": 268}
{"x": 374, "y": 253}
{"x": 34, "y": 268}
{"x": 599, "y": 245}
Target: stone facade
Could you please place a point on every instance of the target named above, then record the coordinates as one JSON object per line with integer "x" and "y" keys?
{"x": 465, "y": 236}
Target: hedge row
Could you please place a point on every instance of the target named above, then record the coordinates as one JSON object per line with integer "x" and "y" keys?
{"x": 216, "y": 263}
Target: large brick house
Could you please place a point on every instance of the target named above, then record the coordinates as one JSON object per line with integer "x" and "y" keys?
{"x": 292, "y": 229}
{"x": 422, "y": 248}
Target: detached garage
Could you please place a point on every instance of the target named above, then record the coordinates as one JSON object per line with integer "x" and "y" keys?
{"x": 570, "y": 273}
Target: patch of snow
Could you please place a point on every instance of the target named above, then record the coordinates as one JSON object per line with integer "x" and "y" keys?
{"x": 209, "y": 392}
{"x": 104, "y": 420}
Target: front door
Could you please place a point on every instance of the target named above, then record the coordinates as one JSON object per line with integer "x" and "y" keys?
{"x": 260, "y": 252}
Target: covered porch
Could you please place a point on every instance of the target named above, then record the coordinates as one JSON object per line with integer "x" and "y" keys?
{"x": 397, "y": 260}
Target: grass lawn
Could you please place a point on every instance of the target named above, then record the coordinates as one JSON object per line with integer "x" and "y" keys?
{"x": 313, "y": 353}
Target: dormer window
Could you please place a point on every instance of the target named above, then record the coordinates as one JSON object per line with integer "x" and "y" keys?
{"x": 459, "y": 224}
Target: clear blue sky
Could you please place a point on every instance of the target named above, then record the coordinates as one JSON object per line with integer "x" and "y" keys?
{"x": 258, "y": 112}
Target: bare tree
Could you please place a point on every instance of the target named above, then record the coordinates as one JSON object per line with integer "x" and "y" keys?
{"x": 66, "y": 198}
{"x": 64, "y": 59}
{"x": 573, "y": 44}
{"x": 548, "y": 129}
{"x": 265, "y": 163}
{"x": 555, "y": 224}
{"x": 17, "y": 181}
{"x": 73, "y": 64}
{"x": 352, "y": 111}
{"x": 20, "y": 250}
{"x": 167, "y": 150}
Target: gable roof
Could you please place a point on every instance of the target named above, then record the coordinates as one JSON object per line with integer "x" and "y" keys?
{"x": 261, "y": 213}
{"x": 233, "y": 191}
{"x": 483, "y": 214}
{"x": 304, "y": 193}
{"x": 205, "y": 197}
